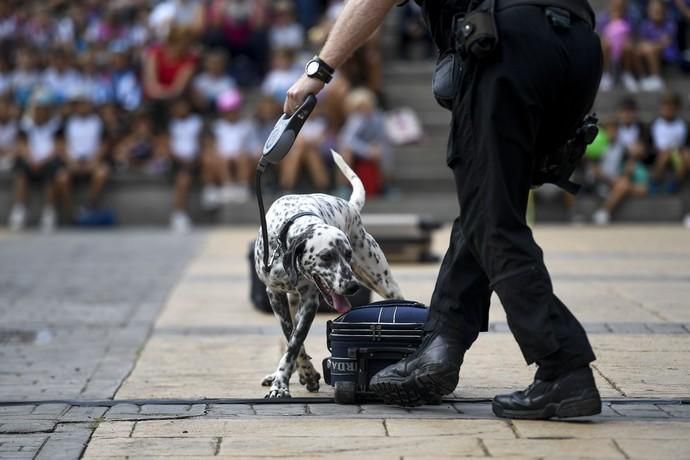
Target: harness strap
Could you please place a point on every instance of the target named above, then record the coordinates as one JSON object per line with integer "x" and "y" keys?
{"x": 282, "y": 236}
{"x": 579, "y": 8}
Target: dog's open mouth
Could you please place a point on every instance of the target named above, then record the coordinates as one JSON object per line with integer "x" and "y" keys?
{"x": 339, "y": 302}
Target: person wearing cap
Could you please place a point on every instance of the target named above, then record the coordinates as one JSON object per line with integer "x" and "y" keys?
{"x": 227, "y": 162}
{"x": 519, "y": 77}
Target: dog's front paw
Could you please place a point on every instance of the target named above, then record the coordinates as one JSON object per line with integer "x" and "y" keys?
{"x": 310, "y": 379}
{"x": 278, "y": 393}
{"x": 268, "y": 380}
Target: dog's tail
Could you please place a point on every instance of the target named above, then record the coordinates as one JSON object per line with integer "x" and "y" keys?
{"x": 358, "y": 196}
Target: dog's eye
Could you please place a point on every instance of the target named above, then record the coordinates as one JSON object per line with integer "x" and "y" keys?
{"x": 328, "y": 257}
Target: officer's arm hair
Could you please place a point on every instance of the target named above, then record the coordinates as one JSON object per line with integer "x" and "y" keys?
{"x": 356, "y": 23}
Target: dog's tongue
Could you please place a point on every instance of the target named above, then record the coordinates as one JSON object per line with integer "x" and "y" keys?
{"x": 340, "y": 303}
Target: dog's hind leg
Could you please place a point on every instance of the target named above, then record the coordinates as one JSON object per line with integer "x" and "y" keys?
{"x": 371, "y": 267}
{"x": 303, "y": 320}
{"x": 308, "y": 375}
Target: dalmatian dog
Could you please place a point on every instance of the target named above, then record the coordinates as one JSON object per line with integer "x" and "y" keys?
{"x": 318, "y": 247}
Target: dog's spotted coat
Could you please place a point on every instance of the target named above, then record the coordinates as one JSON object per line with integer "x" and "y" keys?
{"x": 326, "y": 253}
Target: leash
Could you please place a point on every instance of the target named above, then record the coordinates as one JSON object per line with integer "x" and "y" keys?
{"x": 277, "y": 146}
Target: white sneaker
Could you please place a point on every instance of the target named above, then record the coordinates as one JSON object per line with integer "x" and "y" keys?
{"x": 652, "y": 84}
{"x": 48, "y": 219}
{"x": 686, "y": 221}
{"x": 17, "y": 218}
{"x": 630, "y": 83}
{"x": 606, "y": 82}
{"x": 210, "y": 197}
{"x": 180, "y": 223}
{"x": 601, "y": 217}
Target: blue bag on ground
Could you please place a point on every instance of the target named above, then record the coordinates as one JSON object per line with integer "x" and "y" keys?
{"x": 365, "y": 340}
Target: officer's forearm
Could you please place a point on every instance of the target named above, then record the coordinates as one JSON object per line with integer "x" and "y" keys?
{"x": 356, "y": 23}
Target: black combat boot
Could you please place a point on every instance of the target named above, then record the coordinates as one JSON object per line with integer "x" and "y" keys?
{"x": 573, "y": 394}
{"x": 424, "y": 376}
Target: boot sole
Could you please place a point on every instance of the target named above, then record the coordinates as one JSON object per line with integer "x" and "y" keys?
{"x": 427, "y": 387}
{"x": 587, "y": 404}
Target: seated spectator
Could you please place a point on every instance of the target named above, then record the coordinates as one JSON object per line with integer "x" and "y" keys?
{"x": 285, "y": 31}
{"x": 139, "y": 149}
{"x": 307, "y": 153}
{"x": 632, "y": 181}
{"x": 364, "y": 143}
{"x": 227, "y": 159}
{"x": 168, "y": 70}
{"x": 38, "y": 160}
{"x": 25, "y": 76}
{"x": 268, "y": 111}
{"x": 625, "y": 164}
{"x": 183, "y": 143}
{"x": 8, "y": 133}
{"x": 93, "y": 81}
{"x": 282, "y": 75}
{"x": 126, "y": 90}
{"x": 84, "y": 155}
{"x": 61, "y": 78}
{"x": 671, "y": 143}
{"x": 239, "y": 26}
{"x": 212, "y": 82}
{"x": 657, "y": 45}
{"x": 617, "y": 43}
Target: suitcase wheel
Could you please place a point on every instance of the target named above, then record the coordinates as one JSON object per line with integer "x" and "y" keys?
{"x": 345, "y": 393}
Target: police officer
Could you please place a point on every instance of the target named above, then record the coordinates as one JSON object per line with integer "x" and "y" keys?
{"x": 524, "y": 90}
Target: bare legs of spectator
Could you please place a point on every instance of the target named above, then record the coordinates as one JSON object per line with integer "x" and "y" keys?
{"x": 649, "y": 63}
{"x": 677, "y": 161}
{"x": 623, "y": 187}
{"x": 308, "y": 154}
{"x": 226, "y": 180}
{"x": 183, "y": 182}
{"x": 99, "y": 175}
{"x": 17, "y": 218}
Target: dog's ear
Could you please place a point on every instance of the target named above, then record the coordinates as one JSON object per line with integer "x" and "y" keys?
{"x": 291, "y": 258}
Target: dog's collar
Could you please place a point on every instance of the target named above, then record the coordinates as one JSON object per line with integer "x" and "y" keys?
{"x": 288, "y": 223}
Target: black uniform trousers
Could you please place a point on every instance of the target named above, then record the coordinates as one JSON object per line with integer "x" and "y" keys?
{"x": 530, "y": 95}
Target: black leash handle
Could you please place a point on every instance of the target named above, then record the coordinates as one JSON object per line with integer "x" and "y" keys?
{"x": 277, "y": 146}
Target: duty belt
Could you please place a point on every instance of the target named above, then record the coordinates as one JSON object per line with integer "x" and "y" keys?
{"x": 578, "y": 8}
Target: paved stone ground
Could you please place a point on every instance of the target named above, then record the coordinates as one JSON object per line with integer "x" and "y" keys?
{"x": 629, "y": 286}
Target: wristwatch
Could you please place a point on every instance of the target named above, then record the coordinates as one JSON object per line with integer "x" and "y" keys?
{"x": 317, "y": 68}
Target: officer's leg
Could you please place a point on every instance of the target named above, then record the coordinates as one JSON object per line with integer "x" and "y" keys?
{"x": 461, "y": 298}
{"x": 517, "y": 104}
{"x": 459, "y": 310}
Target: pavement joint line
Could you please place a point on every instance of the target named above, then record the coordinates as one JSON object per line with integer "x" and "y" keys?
{"x": 293, "y": 401}
{"x": 620, "y": 449}
{"x": 610, "y": 382}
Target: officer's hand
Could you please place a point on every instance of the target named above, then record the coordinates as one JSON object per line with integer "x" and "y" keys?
{"x": 299, "y": 91}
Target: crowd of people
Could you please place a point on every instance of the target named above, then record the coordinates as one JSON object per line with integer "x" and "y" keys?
{"x": 642, "y": 38}
{"x": 184, "y": 88}
{"x": 190, "y": 89}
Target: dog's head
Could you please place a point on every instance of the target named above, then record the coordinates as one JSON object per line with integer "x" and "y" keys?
{"x": 323, "y": 255}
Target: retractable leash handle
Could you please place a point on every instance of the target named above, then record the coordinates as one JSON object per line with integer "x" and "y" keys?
{"x": 277, "y": 146}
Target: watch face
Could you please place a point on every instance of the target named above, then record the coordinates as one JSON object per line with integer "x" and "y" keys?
{"x": 312, "y": 68}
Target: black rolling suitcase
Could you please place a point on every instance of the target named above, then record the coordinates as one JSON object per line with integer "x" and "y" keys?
{"x": 367, "y": 339}
{"x": 259, "y": 298}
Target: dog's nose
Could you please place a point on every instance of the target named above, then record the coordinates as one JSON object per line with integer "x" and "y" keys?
{"x": 351, "y": 288}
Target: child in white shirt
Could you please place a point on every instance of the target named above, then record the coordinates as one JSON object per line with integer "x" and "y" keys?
{"x": 184, "y": 147}
{"x": 228, "y": 153}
